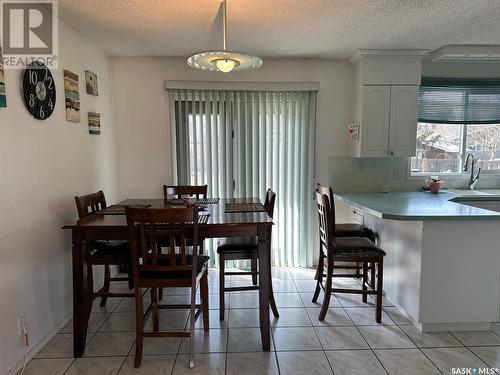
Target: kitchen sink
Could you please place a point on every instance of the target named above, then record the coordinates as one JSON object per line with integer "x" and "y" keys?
{"x": 491, "y": 203}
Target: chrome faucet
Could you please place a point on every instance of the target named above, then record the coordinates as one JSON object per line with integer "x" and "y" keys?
{"x": 473, "y": 179}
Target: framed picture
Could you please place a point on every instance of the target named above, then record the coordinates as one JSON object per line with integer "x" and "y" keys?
{"x": 91, "y": 83}
{"x": 94, "y": 123}
{"x": 72, "y": 96}
{"x": 3, "y": 97}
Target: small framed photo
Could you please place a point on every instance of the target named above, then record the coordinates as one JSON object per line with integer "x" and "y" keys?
{"x": 91, "y": 83}
{"x": 94, "y": 123}
{"x": 72, "y": 96}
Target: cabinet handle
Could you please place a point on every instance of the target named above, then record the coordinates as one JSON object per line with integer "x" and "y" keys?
{"x": 391, "y": 153}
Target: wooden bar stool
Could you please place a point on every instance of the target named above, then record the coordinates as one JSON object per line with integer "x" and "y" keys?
{"x": 244, "y": 248}
{"x": 345, "y": 249}
{"x": 104, "y": 253}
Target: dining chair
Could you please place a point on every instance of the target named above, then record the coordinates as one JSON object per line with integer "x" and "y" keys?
{"x": 345, "y": 249}
{"x": 347, "y": 230}
{"x": 104, "y": 253}
{"x": 177, "y": 265}
{"x": 185, "y": 191}
{"x": 244, "y": 248}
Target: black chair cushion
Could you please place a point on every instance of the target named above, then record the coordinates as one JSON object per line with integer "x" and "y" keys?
{"x": 352, "y": 230}
{"x": 238, "y": 245}
{"x": 110, "y": 249}
{"x": 202, "y": 261}
{"x": 356, "y": 246}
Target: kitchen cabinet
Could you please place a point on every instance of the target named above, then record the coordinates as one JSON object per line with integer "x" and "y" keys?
{"x": 387, "y": 118}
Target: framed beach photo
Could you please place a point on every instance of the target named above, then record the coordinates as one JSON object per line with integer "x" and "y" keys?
{"x": 72, "y": 96}
{"x": 91, "y": 83}
{"x": 94, "y": 123}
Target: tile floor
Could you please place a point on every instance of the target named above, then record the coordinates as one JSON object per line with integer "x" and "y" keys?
{"x": 348, "y": 341}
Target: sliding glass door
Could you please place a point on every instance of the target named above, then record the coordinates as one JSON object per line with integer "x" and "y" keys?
{"x": 240, "y": 143}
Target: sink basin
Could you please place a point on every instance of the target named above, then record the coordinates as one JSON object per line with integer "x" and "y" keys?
{"x": 491, "y": 203}
{"x": 462, "y": 192}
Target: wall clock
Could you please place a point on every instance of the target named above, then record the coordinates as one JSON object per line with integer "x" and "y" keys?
{"x": 39, "y": 90}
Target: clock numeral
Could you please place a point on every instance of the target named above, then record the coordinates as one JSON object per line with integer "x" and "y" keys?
{"x": 50, "y": 86}
{"x": 31, "y": 102}
{"x": 51, "y": 105}
{"x": 33, "y": 77}
{"x": 42, "y": 113}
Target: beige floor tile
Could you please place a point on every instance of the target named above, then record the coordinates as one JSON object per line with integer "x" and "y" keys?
{"x": 160, "y": 345}
{"x": 304, "y": 363}
{"x": 281, "y": 273}
{"x": 94, "y": 366}
{"x": 128, "y": 304}
{"x": 119, "y": 322}
{"x": 305, "y": 286}
{"x": 261, "y": 363}
{"x": 430, "y": 339}
{"x": 355, "y": 362}
{"x": 291, "y": 317}
{"x": 296, "y": 338}
{"x": 365, "y": 316}
{"x": 307, "y": 300}
{"x": 48, "y": 366}
{"x": 213, "y": 320}
{"x": 243, "y": 300}
{"x": 213, "y": 364}
{"x": 385, "y": 301}
{"x": 489, "y": 354}
{"x": 477, "y": 338}
{"x": 110, "y": 344}
{"x": 386, "y": 337}
{"x": 353, "y": 300}
{"x": 288, "y": 300}
{"x": 214, "y": 341}
{"x": 340, "y": 338}
{"x": 406, "y": 361}
{"x": 448, "y": 358}
{"x": 60, "y": 346}
{"x": 302, "y": 273}
{"x": 245, "y": 340}
{"x": 169, "y": 320}
{"x": 284, "y": 286}
{"x": 244, "y": 318}
{"x": 398, "y": 316}
{"x": 157, "y": 365}
{"x": 95, "y": 322}
{"x": 111, "y": 304}
{"x": 334, "y": 317}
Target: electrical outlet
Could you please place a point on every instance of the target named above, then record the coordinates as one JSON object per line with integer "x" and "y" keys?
{"x": 21, "y": 324}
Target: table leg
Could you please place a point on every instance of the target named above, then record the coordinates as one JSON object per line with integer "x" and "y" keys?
{"x": 82, "y": 301}
{"x": 264, "y": 277}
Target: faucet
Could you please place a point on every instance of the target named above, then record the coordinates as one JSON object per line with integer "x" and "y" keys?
{"x": 473, "y": 179}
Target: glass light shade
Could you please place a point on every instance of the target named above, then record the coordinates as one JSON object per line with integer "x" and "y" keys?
{"x": 210, "y": 61}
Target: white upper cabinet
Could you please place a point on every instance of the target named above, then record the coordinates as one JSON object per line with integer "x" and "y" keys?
{"x": 388, "y": 121}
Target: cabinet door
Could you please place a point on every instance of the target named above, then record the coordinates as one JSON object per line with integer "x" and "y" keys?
{"x": 403, "y": 121}
{"x": 375, "y": 121}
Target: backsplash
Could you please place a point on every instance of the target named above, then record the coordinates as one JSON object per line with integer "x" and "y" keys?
{"x": 371, "y": 174}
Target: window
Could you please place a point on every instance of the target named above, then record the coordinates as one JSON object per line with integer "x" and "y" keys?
{"x": 456, "y": 118}
{"x": 442, "y": 148}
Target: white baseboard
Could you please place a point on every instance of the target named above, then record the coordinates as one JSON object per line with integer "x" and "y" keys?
{"x": 39, "y": 345}
{"x": 440, "y": 327}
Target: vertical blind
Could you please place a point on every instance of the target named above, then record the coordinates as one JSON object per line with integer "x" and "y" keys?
{"x": 458, "y": 101}
{"x": 240, "y": 143}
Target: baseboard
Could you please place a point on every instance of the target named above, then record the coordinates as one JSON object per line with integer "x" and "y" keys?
{"x": 39, "y": 345}
{"x": 440, "y": 327}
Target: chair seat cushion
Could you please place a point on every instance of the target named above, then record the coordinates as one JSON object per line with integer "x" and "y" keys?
{"x": 360, "y": 246}
{"x": 352, "y": 230}
{"x": 110, "y": 249}
{"x": 237, "y": 245}
{"x": 202, "y": 261}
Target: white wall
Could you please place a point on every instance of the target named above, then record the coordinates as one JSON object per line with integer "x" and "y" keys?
{"x": 43, "y": 165}
{"x": 141, "y": 112}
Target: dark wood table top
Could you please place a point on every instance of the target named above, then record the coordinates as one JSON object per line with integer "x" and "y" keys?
{"x": 216, "y": 214}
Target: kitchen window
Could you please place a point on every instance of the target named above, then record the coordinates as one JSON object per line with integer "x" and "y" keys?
{"x": 456, "y": 118}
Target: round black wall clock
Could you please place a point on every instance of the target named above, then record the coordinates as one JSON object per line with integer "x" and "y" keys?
{"x": 39, "y": 91}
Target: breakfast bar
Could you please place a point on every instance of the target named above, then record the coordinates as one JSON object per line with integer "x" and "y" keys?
{"x": 443, "y": 257}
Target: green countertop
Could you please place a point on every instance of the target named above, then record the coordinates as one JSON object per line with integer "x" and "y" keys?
{"x": 421, "y": 205}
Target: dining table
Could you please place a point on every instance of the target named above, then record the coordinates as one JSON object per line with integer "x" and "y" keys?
{"x": 218, "y": 219}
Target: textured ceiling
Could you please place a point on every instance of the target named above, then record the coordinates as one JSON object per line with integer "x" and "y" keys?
{"x": 281, "y": 28}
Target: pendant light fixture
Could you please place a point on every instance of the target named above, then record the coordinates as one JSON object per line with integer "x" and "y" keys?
{"x": 224, "y": 61}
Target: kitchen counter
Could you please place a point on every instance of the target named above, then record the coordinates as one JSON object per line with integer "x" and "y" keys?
{"x": 421, "y": 205}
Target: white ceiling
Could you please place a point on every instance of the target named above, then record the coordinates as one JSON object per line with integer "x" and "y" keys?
{"x": 281, "y": 28}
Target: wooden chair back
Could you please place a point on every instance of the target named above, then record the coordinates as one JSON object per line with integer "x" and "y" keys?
{"x": 160, "y": 239}
{"x": 325, "y": 223}
{"x": 269, "y": 202}
{"x": 90, "y": 203}
{"x": 185, "y": 191}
